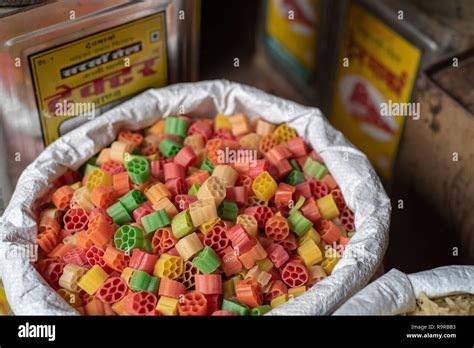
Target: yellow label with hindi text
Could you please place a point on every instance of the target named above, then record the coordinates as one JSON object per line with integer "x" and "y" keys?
{"x": 377, "y": 70}
{"x": 73, "y": 80}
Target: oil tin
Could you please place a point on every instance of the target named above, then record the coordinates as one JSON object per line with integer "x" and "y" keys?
{"x": 291, "y": 33}
{"x": 384, "y": 45}
{"x": 65, "y": 62}
{"x": 297, "y": 43}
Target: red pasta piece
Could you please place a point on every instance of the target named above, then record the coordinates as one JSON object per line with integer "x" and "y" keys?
{"x": 237, "y": 194}
{"x": 63, "y": 234}
{"x": 303, "y": 189}
{"x": 62, "y": 197}
{"x": 171, "y": 288}
{"x": 240, "y": 239}
{"x": 163, "y": 240}
{"x": 113, "y": 290}
{"x": 277, "y": 228}
{"x": 223, "y": 133}
{"x": 330, "y": 182}
{"x": 100, "y": 211}
{"x": 149, "y": 150}
{"x": 248, "y": 292}
{"x": 142, "y": 260}
{"x": 278, "y": 288}
{"x": 140, "y": 303}
{"x": 245, "y": 181}
{"x": 174, "y": 171}
{"x": 48, "y": 224}
{"x": 224, "y": 314}
{"x": 185, "y": 157}
{"x": 329, "y": 232}
{"x": 75, "y": 219}
{"x": 112, "y": 167}
{"x": 177, "y": 186}
{"x": 143, "y": 210}
{"x": 277, "y": 254}
{"x": 200, "y": 127}
{"x": 290, "y": 243}
{"x": 130, "y": 137}
{"x": 294, "y": 274}
{"x": 347, "y": 219}
{"x": 95, "y": 256}
{"x": 214, "y": 303}
{"x": 47, "y": 241}
{"x": 41, "y": 265}
{"x": 52, "y": 274}
{"x": 76, "y": 256}
{"x": 216, "y": 238}
{"x": 183, "y": 201}
{"x": 230, "y": 263}
{"x": 297, "y": 147}
{"x": 156, "y": 168}
{"x": 318, "y": 188}
{"x": 208, "y": 284}
{"x": 261, "y": 214}
{"x": 99, "y": 230}
{"x": 339, "y": 199}
{"x": 260, "y": 166}
{"x": 310, "y": 210}
{"x": 193, "y": 304}
{"x": 116, "y": 259}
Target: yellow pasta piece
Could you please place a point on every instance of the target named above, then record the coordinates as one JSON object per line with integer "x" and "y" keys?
{"x": 310, "y": 253}
{"x": 168, "y": 306}
{"x": 283, "y": 133}
{"x": 265, "y": 265}
{"x": 264, "y": 186}
{"x": 327, "y": 206}
{"x": 331, "y": 259}
{"x": 98, "y": 178}
{"x": 205, "y": 227}
{"x": 279, "y": 300}
{"x": 222, "y": 121}
{"x": 295, "y": 292}
{"x": 310, "y": 234}
{"x": 168, "y": 266}
{"x": 127, "y": 274}
{"x": 91, "y": 281}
